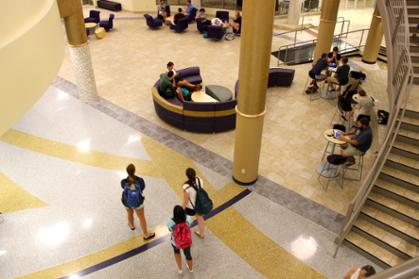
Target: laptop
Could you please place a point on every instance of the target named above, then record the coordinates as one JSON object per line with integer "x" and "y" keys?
{"x": 337, "y": 133}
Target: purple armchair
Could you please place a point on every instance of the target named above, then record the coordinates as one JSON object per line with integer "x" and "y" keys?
{"x": 153, "y": 23}
{"x": 223, "y": 15}
{"x": 93, "y": 16}
{"x": 107, "y": 24}
{"x": 181, "y": 25}
{"x": 215, "y": 32}
{"x": 202, "y": 25}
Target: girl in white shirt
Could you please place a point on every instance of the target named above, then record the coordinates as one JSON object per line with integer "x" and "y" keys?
{"x": 189, "y": 199}
{"x": 360, "y": 273}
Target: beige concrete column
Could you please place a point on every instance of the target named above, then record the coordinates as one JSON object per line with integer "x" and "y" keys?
{"x": 329, "y": 12}
{"x": 294, "y": 12}
{"x": 255, "y": 47}
{"x": 72, "y": 13}
{"x": 375, "y": 36}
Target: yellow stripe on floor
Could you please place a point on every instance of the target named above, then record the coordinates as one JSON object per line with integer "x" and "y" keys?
{"x": 258, "y": 250}
{"x": 71, "y": 153}
{"x": 13, "y": 198}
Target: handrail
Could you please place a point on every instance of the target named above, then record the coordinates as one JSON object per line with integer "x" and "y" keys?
{"x": 313, "y": 41}
{"x": 406, "y": 270}
{"x": 400, "y": 72}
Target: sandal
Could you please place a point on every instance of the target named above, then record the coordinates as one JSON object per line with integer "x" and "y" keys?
{"x": 198, "y": 234}
{"x": 150, "y": 236}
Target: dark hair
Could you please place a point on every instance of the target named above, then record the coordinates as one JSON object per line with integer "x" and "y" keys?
{"x": 324, "y": 55}
{"x": 179, "y": 215}
{"x": 170, "y": 63}
{"x": 131, "y": 170}
{"x": 170, "y": 74}
{"x": 330, "y": 55}
{"x": 189, "y": 1}
{"x": 364, "y": 121}
{"x": 202, "y": 10}
{"x": 179, "y": 10}
{"x": 345, "y": 60}
{"x": 336, "y": 49}
{"x": 191, "y": 174}
{"x": 362, "y": 92}
{"x": 369, "y": 270}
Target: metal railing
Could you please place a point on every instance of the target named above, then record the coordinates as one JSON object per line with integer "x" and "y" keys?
{"x": 400, "y": 73}
{"x": 407, "y": 270}
{"x": 348, "y": 35}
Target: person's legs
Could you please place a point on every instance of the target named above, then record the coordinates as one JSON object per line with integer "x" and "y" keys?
{"x": 143, "y": 223}
{"x": 187, "y": 84}
{"x": 178, "y": 259}
{"x": 201, "y": 225}
{"x": 179, "y": 94}
{"x": 188, "y": 256}
{"x": 130, "y": 213}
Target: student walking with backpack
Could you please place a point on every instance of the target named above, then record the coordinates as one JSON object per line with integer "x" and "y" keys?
{"x": 195, "y": 200}
{"x": 180, "y": 237}
{"x": 133, "y": 200}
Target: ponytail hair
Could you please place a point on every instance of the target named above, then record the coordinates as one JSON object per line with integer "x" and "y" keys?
{"x": 191, "y": 174}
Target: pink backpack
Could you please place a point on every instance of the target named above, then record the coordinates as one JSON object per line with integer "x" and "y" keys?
{"x": 182, "y": 236}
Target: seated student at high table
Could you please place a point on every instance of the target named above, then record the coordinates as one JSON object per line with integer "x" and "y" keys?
{"x": 365, "y": 105}
{"x": 359, "y": 142}
{"x": 341, "y": 76}
{"x": 334, "y": 56}
{"x": 320, "y": 65}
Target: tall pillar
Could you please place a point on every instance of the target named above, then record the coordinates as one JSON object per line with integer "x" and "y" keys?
{"x": 375, "y": 36}
{"x": 329, "y": 13}
{"x": 256, "y": 39}
{"x": 72, "y": 13}
{"x": 294, "y": 12}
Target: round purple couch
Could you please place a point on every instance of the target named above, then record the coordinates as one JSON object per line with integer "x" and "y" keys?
{"x": 207, "y": 117}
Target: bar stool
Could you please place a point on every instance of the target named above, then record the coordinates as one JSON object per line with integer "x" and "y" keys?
{"x": 357, "y": 167}
{"x": 333, "y": 169}
{"x": 344, "y": 115}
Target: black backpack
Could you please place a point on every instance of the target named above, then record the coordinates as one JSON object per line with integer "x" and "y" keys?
{"x": 203, "y": 204}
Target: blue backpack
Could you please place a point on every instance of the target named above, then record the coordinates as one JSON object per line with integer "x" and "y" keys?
{"x": 133, "y": 198}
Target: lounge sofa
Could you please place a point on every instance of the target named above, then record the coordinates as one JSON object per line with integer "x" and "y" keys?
{"x": 207, "y": 117}
{"x": 94, "y": 16}
{"x": 109, "y": 5}
{"x": 191, "y": 116}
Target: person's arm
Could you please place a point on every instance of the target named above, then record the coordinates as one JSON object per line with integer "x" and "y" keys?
{"x": 348, "y": 140}
{"x": 349, "y": 274}
{"x": 141, "y": 183}
{"x": 185, "y": 199}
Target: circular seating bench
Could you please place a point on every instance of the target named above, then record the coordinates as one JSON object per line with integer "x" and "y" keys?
{"x": 207, "y": 117}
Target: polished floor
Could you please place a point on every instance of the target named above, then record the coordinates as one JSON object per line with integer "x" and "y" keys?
{"x": 62, "y": 162}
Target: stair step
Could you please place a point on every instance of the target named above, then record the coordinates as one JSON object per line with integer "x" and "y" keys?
{"x": 385, "y": 239}
{"x": 413, "y": 20}
{"x": 404, "y": 164}
{"x": 395, "y": 207}
{"x": 372, "y": 251}
{"x": 397, "y": 192}
{"x": 415, "y": 59}
{"x": 408, "y": 133}
{"x": 393, "y": 223}
{"x": 405, "y": 149}
{"x": 412, "y": 113}
{"x": 414, "y": 48}
{"x": 401, "y": 175}
{"x": 416, "y": 80}
{"x": 411, "y": 120}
